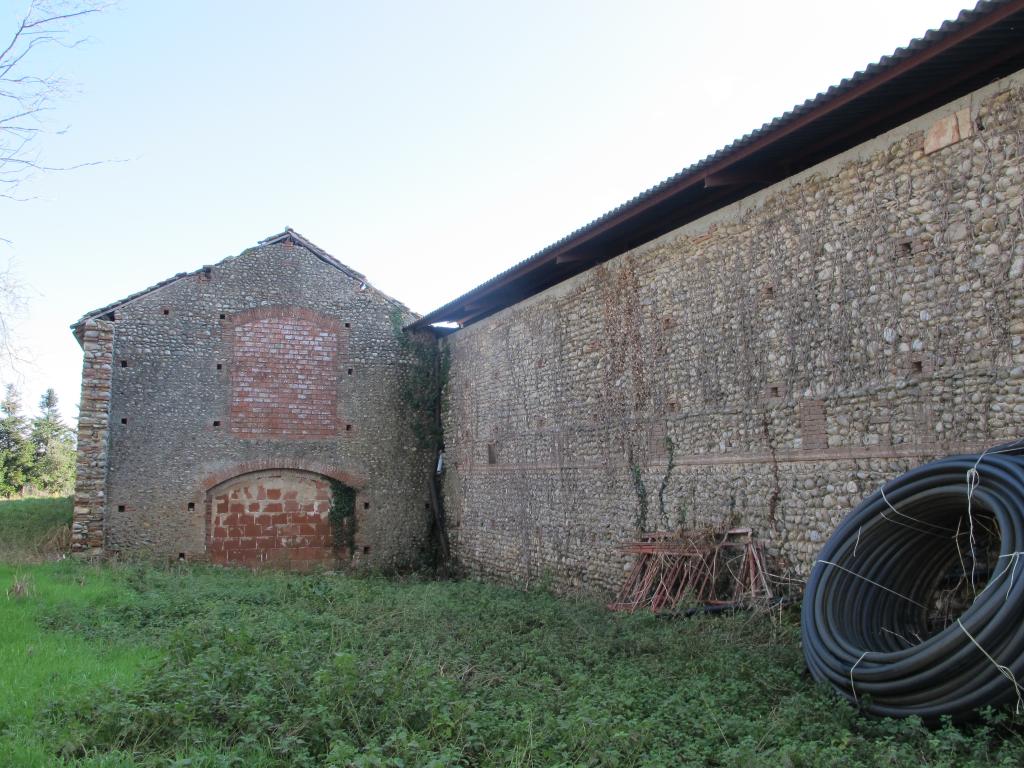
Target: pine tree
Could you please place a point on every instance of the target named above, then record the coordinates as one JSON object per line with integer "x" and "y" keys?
{"x": 16, "y": 451}
{"x": 53, "y": 444}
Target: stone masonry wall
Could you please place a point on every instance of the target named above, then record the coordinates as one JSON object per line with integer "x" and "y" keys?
{"x": 271, "y": 360}
{"x": 93, "y": 430}
{"x": 768, "y": 365}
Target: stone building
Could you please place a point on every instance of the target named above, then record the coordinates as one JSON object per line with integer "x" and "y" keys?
{"x": 762, "y": 339}
{"x": 222, "y": 408}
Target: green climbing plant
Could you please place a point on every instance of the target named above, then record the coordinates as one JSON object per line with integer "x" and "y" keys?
{"x": 343, "y": 516}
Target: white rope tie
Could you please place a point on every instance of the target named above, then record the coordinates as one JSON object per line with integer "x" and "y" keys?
{"x": 908, "y": 517}
{"x": 973, "y": 479}
{"x": 853, "y": 688}
{"x": 869, "y": 581}
{"x": 1005, "y": 671}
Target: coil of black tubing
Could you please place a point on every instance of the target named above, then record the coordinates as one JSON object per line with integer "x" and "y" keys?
{"x": 864, "y": 619}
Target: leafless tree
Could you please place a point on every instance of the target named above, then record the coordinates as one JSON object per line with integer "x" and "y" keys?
{"x": 27, "y": 95}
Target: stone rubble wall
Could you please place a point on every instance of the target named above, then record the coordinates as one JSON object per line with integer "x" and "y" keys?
{"x": 768, "y": 365}
{"x": 267, "y": 361}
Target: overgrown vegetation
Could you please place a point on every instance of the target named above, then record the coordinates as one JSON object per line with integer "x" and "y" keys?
{"x": 424, "y": 383}
{"x": 343, "y": 517}
{"x": 423, "y": 390}
{"x": 31, "y": 528}
{"x": 142, "y": 666}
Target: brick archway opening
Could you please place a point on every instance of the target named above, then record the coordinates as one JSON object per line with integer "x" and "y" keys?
{"x": 271, "y": 518}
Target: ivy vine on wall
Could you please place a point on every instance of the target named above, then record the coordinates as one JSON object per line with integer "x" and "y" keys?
{"x": 343, "y": 517}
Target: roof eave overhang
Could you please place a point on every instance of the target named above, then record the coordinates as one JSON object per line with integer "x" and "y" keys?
{"x": 960, "y": 57}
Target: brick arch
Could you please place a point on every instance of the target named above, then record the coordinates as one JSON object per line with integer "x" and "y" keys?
{"x": 266, "y": 515}
{"x": 351, "y": 479}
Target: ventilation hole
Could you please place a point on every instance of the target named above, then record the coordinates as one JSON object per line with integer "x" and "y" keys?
{"x": 124, "y": 363}
{"x": 774, "y": 391}
{"x": 366, "y": 550}
{"x": 167, "y": 311}
{"x": 906, "y": 248}
{"x": 181, "y": 556}
{"x": 917, "y": 366}
{"x": 223, "y": 316}
{"x": 191, "y": 506}
{"x": 769, "y": 291}
{"x": 492, "y": 454}
{"x": 219, "y": 366}
{"x": 426, "y": 505}
{"x": 124, "y": 421}
{"x": 216, "y": 423}
{"x": 366, "y": 505}
{"x": 348, "y": 427}
{"x": 349, "y": 371}
{"x": 348, "y": 325}
{"x": 120, "y": 507}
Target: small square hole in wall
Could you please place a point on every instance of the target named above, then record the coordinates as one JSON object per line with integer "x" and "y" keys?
{"x": 120, "y": 507}
{"x": 366, "y": 505}
{"x": 492, "y": 454}
{"x": 905, "y": 247}
{"x": 124, "y": 421}
{"x": 181, "y": 557}
{"x": 348, "y": 325}
{"x": 366, "y": 550}
{"x": 216, "y": 423}
{"x": 124, "y": 363}
{"x": 191, "y": 506}
{"x": 773, "y": 391}
{"x": 916, "y": 366}
{"x": 220, "y": 366}
{"x": 167, "y": 311}
{"x": 426, "y": 505}
{"x": 769, "y": 291}
{"x": 348, "y": 427}
{"x": 223, "y": 316}
{"x": 349, "y": 371}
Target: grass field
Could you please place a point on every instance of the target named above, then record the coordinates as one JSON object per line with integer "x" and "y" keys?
{"x": 138, "y": 665}
{"x": 29, "y": 528}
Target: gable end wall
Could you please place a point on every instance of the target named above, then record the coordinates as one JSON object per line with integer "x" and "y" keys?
{"x": 272, "y": 360}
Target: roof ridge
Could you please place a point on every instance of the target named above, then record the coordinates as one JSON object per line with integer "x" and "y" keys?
{"x": 287, "y": 234}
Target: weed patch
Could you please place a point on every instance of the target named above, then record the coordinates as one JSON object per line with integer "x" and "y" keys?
{"x": 282, "y": 670}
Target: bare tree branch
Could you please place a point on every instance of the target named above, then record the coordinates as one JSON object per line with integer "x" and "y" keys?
{"x": 25, "y": 100}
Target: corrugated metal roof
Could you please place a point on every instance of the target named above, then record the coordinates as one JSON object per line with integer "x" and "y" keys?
{"x": 874, "y": 74}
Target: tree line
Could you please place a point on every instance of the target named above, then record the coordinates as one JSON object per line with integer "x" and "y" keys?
{"x": 37, "y": 454}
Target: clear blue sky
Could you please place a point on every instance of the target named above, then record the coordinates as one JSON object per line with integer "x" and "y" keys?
{"x": 428, "y": 145}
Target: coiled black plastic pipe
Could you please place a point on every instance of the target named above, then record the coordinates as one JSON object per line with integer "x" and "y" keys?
{"x": 865, "y": 614}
